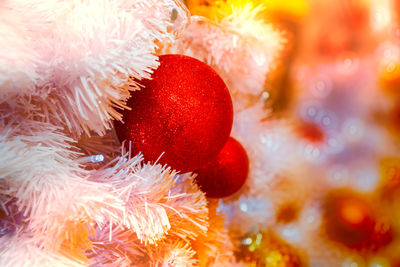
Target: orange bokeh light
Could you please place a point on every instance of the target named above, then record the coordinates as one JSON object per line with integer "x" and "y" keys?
{"x": 353, "y": 212}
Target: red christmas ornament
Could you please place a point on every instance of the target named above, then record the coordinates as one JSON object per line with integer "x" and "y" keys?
{"x": 185, "y": 111}
{"x": 227, "y": 173}
{"x": 351, "y": 221}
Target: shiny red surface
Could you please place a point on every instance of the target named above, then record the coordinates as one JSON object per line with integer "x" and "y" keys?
{"x": 185, "y": 111}
{"x": 227, "y": 173}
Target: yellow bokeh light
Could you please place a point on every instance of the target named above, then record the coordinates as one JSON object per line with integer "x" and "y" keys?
{"x": 273, "y": 258}
{"x": 218, "y": 9}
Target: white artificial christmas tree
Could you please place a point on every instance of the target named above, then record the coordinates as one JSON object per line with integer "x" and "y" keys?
{"x": 322, "y": 180}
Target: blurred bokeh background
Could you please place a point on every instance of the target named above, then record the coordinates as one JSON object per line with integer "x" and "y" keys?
{"x": 337, "y": 80}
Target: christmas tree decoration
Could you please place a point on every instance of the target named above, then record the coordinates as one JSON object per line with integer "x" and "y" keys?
{"x": 72, "y": 54}
{"x": 65, "y": 203}
{"x": 240, "y": 46}
{"x": 351, "y": 221}
{"x": 227, "y": 173}
{"x": 199, "y": 133}
{"x": 184, "y": 111}
{"x": 267, "y": 249}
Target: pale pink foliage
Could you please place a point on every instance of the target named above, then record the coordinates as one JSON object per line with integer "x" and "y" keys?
{"x": 81, "y": 56}
{"x": 22, "y": 251}
{"x": 124, "y": 198}
{"x": 161, "y": 207}
{"x": 19, "y": 61}
{"x": 241, "y": 48}
{"x": 66, "y": 67}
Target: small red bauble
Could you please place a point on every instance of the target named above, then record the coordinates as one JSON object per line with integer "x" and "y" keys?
{"x": 227, "y": 173}
{"x": 184, "y": 111}
{"x": 351, "y": 221}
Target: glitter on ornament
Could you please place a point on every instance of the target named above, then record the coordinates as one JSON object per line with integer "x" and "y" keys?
{"x": 184, "y": 111}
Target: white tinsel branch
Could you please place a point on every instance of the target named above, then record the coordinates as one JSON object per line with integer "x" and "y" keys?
{"x": 240, "y": 47}
{"x": 88, "y": 55}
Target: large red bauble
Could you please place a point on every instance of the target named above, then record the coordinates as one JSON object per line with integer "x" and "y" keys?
{"x": 227, "y": 173}
{"x": 184, "y": 111}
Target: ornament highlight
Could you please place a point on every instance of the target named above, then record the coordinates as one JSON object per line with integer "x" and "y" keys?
{"x": 227, "y": 173}
{"x": 185, "y": 111}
